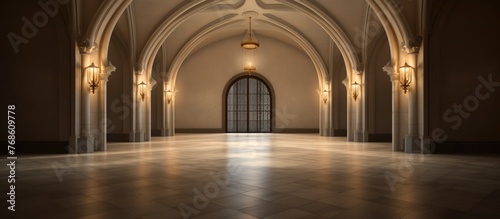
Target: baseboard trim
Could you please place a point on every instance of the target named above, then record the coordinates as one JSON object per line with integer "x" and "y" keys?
{"x": 156, "y": 133}
{"x": 207, "y": 131}
{"x": 375, "y": 137}
{"x": 460, "y": 147}
{"x": 200, "y": 131}
{"x": 39, "y": 147}
{"x": 118, "y": 137}
{"x": 340, "y": 132}
{"x": 291, "y": 131}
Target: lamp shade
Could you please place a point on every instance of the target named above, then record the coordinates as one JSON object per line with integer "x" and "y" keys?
{"x": 405, "y": 76}
{"x": 355, "y": 90}
{"x": 92, "y": 72}
{"x": 142, "y": 90}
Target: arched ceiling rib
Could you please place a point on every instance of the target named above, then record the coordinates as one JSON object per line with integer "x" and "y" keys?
{"x": 172, "y": 23}
{"x": 273, "y": 22}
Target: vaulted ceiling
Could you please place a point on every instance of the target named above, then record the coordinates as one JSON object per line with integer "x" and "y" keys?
{"x": 349, "y": 18}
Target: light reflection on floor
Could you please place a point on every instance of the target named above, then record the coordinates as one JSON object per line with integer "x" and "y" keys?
{"x": 256, "y": 176}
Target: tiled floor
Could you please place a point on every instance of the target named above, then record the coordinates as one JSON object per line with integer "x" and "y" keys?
{"x": 255, "y": 176}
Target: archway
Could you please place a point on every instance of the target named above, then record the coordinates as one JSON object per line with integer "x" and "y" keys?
{"x": 248, "y": 105}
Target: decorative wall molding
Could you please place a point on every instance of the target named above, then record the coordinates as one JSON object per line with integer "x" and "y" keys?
{"x": 345, "y": 82}
{"x": 273, "y": 7}
{"x": 110, "y": 68}
{"x": 412, "y": 45}
{"x": 389, "y": 69}
{"x": 225, "y": 7}
{"x": 86, "y": 46}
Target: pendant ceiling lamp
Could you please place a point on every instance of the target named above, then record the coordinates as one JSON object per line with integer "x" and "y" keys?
{"x": 250, "y": 46}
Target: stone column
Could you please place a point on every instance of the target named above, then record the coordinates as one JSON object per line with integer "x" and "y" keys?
{"x": 169, "y": 110}
{"x": 389, "y": 69}
{"x": 139, "y": 125}
{"x": 412, "y": 141}
{"x": 325, "y": 101}
{"x": 86, "y": 140}
{"x": 103, "y": 117}
{"x": 147, "y": 110}
{"x": 358, "y": 108}
{"x": 168, "y": 107}
{"x": 350, "y": 134}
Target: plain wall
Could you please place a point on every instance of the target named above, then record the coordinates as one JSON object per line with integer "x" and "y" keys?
{"x": 119, "y": 95}
{"x": 463, "y": 46}
{"x": 379, "y": 85}
{"x": 37, "y": 78}
{"x": 204, "y": 75}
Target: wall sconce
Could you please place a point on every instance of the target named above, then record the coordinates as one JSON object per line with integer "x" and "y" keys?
{"x": 92, "y": 77}
{"x": 142, "y": 90}
{"x": 355, "y": 90}
{"x": 405, "y": 76}
{"x": 325, "y": 96}
{"x": 169, "y": 96}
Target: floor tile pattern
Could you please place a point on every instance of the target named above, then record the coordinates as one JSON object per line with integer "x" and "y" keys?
{"x": 254, "y": 176}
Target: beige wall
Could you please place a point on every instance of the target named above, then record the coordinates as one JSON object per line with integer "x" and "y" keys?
{"x": 203, "y": 76}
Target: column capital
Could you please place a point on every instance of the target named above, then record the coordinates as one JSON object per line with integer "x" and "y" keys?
{"x": 412, "y": 45}
{"x": 359, "y": 70}
{"x": 345, "y": 82}
{"x": 86, "y": 46}
{"x": 152, "y": 83}
{"x": 110, "y": 68}
{"x": 138, "y": 68}
{"x": 389, "y": 69}
{"x": 164, "y": 77}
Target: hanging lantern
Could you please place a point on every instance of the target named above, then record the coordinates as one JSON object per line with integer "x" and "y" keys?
{"x": 92, "y": 72}
{"x": 250, "y": 46}
{"x": 169, "y": 96}
{"x": 142, "y": 90}
{"x": 355, "y": 90}
{"x": 405, "y": 76}
{"x": 325, "y": 96}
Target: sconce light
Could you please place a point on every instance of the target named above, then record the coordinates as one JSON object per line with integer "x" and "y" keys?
{"x": 405, "y": 76}
{"x": 92, "y": 77}
{"x": 169, "y": 96}
{"x": 142, "y": 90}
{"x": 325, "y": 96}
{"x": 355, "y": 90}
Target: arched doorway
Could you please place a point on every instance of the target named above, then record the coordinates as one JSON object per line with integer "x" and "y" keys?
{"x": 248, "y": 106}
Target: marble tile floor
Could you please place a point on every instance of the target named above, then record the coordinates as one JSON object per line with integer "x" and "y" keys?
{"x": 254, "y": 176}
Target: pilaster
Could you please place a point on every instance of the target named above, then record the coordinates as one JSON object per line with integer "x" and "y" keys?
{"x": 107, "y": 70}
{"x": 412, "y": 139}
{"x": 86, "y": 140}
{"x": 394, "y": 78}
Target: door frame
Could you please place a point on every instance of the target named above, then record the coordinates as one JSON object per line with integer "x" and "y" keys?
{"x": 228, "y": 87}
